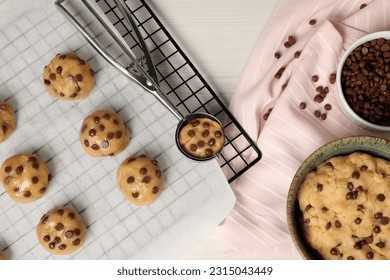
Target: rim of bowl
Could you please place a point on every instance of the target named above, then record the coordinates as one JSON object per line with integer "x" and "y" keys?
{"x": 292, "y": 223}
{"x": 340, "y": 94}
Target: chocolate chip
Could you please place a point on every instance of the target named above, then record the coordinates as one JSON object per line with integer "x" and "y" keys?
{"x": 46, "y": 238}
{"x": 8, "y": 169}
{"x": 360, "y": 207}
{"x": 302, "y": 105}
{"x": 369, "y": 240}
{"x": 59, "y": 226}
{"x": 62, "y": 57}
{"x": 73, "y": 95}
{"x": 323, "y": 116}
{"x": 34, "y": 180}
{"x": 334, "y": 251}
{"x": 358, "y": 220}
{"x": 52, "y": 245}
{"x": 307, "y": 221}
{"x": 143, "y": 170}
{"x": 350, "y": 258}
{"x": 193, "y": 147}
{"x": 146, "y": 179}
{"x": 106, "y": 116}
{"x": 266, "y": 116}
{"x": 135, "y": 194}
{"x": 86, "y": 143}
{"x": 91, "y": 72}
{"x": 314, "y": 78}
{"x": 358, "y": 245}
{"x": 27, "y": 194}
{"x": 308, "y": 207}
{"x": 211, "y": 142}
{"x": 195, "y": 123}
{"x": 287, "y": 45}
{"x": 76, "y": 242}
{"x": 92, "y": 132}
{"x": 7, "y": 179}
{"x": 19, "y": 170}
{"x": 46, "y": 82}
{"x": 142, "y": 156}
{"x": 377, "y": 229}
{"x": 355, "y": 175}
{"x": 95, "y": 147}
{"x": 291, "y": 40}
{"x": 101, "y": 127}
{"x": 370, "y": 255}
{"x": 32, "y": 159}
{"x": 77, "y": 232}
{"x": 155, "y": 190}
{"x": 277, "y": 55}
{"x": 312, "y": 22}
{"x": 110, "y": 135}
{"x": 205, "y": 133}
{"x": 154, "y": 162}
{"x": 71, "y": 216}
{"x": 218, "y": 134}
{"x": 328, "y": 107}
{"x": 116, "y": 122}
{"x": 297, "y": 54}
{"x": 385, "y": 220}
{"x": 209, "y": 152}
{"x": 52, "y": 76}
{"x": 200, "y": 144}
{"x": 381, "y": 197}
{"x": 69, "y": 234}
{"x": 16, "y": 189}
{"x": 61, "y": 94}
{"x": 324, "y": 209}
{"x": 79, "y": 77}
{"x": 191, "y": 133}
{"x": 35, "y": 165}
{"x": 317, "y": 113}
{"x": 42, "y": 190}
{"x": 378, "y": 215}
{"x": 60, "y": 212}
{"x": 59, "y": 70}
{"x": 362, "y": 6}
{"x": 320, "y": 187}
{"x": 337, "y": 224}
{"x": 328, "y": 226}
{"x": 158, "y": 173}
{"x": 380, "y": 244}
{"x": 62, "y": 247}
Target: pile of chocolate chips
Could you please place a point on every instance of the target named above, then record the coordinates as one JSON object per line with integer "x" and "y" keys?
{"x": 365, "y": 80}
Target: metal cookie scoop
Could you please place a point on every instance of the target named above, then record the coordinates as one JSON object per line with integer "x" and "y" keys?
{"x": 146, "y": 79}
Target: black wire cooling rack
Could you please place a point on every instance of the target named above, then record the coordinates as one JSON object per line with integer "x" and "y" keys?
{"x": 182, "y": 83}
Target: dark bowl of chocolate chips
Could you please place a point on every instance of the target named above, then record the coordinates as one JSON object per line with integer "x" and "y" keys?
{"x": 363, "y": 82}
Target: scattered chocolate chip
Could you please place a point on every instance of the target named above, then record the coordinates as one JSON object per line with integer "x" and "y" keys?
{"x": 324, "y": 209}
{"x": 328, "y": 226}
{"x": 323, "y": 116}
{"x": 34, "y": 180}
{"x": 8, "y": 169}
{"x": 69, "y": 234}
{"x": 350, "y": 258}
{"x": 52, "y": 76}
{"x": 287, "y": 45}
{"x": 377, "y": 229}
{"x": 320, "y": 187}
{"x": 328, "y": 107}
{"x": 71, "y": 216}
{"x": 206, "y": 125}
{"x": 92, "y": 132}
{"x": 209, "y": 152}
{"x": 297, "y": 54}
{"x": 266, "y": 116}
{"x": 155, "y": 190}
{"x": 362, "y": 6}
{"x": 307, "y": 221}
{"x": 369, "y": 240}
{"x": 46, "y": 82}
{"x": 211, "y": 142}
{"x": 35, "y": 165}
{"x": 110, "y": 136}
{"x": 52, "y": 245}
{"x": 77, "y": 232}
{"x": 59, "y": 70}
{"x": 302, "y": 105}
{"x": 195, "y": 123}
{"x": 291, "y": 40}
{"x": 200, "y": 144}
{"x": 337, "y": 224}
{"x": 116, "y": 122}
{"x": 27, "y": 194}
{"x": 146, "y": 179}
{"x": 218, "y": 134}
{"x": 358, "y": 220}
{"x": 312, "y": 22}
{"x": 314, "y": 78}
{"x": 79, "y": 78}
{"x": 193, "y": 147}
{"x": 106, "y": 116}
{"x": 16, "y": 189}
{"x": 191, "y": 133}
{"x": 370, "y": 255}
{"x": 86, "y": 143}
{"x": 57, "y": 240}
{"x": 76, "y": 242}
{"x": 380, "y": 244}
{"x": 378, "y": 215}
{"x": 317, "y": 113}
{"x": 7, "y": 179}
{"x": 334, "y": 251}
{"x": 62, "y": 247}
{"x": 277, "y": 55}
{"x": 73, "y": 95}
{"x": 92, "y": 72}
{"x": 154, "y": 162}
{"x": 308, "y": 207}
{"x": 135, "y": 194}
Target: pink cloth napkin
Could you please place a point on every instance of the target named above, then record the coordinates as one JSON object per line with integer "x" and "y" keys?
{"x": 257, "y": 226}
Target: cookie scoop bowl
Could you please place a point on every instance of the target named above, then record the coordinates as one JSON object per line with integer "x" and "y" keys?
{"x": 373, "y": 146}
{"x": 344, "y": 105}
{"x": 187, "y": 120}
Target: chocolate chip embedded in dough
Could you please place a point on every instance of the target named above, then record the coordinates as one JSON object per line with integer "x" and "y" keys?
{"x": 324, "y": 209}
{"x": 381, "y": 197}
{"x": 27, "y": 194}
{"x": 95, "y": 147}
{"x": 79, "y": 78}
{"x": 328, "y": 226}
{"x": 35, "y": 180}
{"x": 363, "y": 168}
{"x": 69, "y": 234}
{"x": 377, "y": 229}
{"x": 193, "y": 147}
{"x": 378, "y": 215}
{"x": 143, "y": 171}
{"x": 334, "y": 251}
{"x": 158, "y": 173}
{"x": 52, "y": 76}
{"x": 191, "y": 133}
{"x": 360, "y": 207}
{"x": 209, "y": 152}
{"x": 8, "y": 169}
{"x": 337, "y": 224}
{"x": 155, "y": 189}
{"x": 385, "y": 220}
{"x": 59, "y": 227}
{"x": 370, "y": 255}
{"x": 308, "y": 207}
{"x": 350, "y": 258}
{"x": 146, "y": 179}
{"x": 135, "y": 194}
{"x": 19, "y": 170}
{"x": 130, "y": 180}
{"x": 57, "y": 240}
{"x": 200, "y": 144}
{"x": 46, "y": 238}
{"x": 355, "y": 175}
{"x": 358, "y": 220}
{"x": 380, "y": 245}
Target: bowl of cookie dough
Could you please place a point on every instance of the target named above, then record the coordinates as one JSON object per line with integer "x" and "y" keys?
{"x": 363, "y": 82}
{"x": 338, "y": 201}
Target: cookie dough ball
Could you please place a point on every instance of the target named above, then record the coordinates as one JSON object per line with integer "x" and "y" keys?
{"x": 61, "y": 231}
{"x": 201, "y": 138}
{"x": 2, "y": 257}
{"x": 103, "y": 133}
{"x": 140, "y": 179}
{"x": 25, "y": 177}
{"x": 7, "y": 120}
{"x": 68, "y": 77}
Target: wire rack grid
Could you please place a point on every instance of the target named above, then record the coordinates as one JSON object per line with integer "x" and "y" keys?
{"x": 182, "y": 83}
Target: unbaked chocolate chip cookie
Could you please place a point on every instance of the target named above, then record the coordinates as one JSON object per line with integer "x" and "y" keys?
{"x": 140, "y": 179}
{"x": 61, "y": 231}
{"x": 7, "y": 120}
{"x": 346, "y": 208}
{"x": 25, "y": 177}
{"x": 103, "y": 133}
{"x": 68, "y": 77}
{"x": 201, "y": 138}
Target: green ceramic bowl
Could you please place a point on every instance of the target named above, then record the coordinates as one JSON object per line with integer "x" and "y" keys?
{"x": 374, "y": 146}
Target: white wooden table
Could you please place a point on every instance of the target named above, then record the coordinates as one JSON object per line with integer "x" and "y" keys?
{"x": 218, "y": 36}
